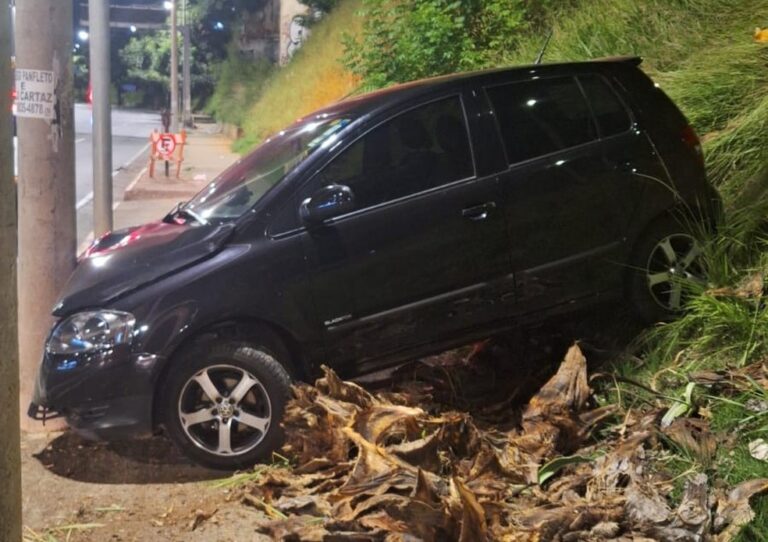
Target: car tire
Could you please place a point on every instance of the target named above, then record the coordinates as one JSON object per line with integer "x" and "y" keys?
{"x": 224, "y": 404}
{"x": 666, "y": 255}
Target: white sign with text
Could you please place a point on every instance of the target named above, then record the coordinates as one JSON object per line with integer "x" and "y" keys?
{"x": 35, "y": 94}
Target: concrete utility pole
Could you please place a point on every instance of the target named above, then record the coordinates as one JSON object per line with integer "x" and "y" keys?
{"x": 45, "y": 129}
{"x": 187, "y": 74}
{"x": 174, "y": 68}
{"x": 10, "y": 460}
{"x": 98, "y": 13}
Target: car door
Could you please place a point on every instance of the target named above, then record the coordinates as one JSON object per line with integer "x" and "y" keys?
{"x": 632, "y": 162}
{"x": 424, "y": 252}
{"x": 562, "y": 207}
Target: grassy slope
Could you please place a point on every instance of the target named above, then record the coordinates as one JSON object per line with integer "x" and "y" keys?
{"x": 701, "y": 53}
{"x": 314, "y": 78}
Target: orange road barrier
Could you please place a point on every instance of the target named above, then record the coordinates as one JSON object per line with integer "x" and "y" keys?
{"x": 167, "y": 147}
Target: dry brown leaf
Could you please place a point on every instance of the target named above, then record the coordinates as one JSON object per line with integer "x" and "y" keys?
{"x": 645, "y": 507}
{"x": 693, "y": 512}
{"x": 201, "y": 516}
{"x": 564, "y": 393}
{"x": 381, "y": 422}
{"x": 341, "y": 390}
{"x": 693, "y": 435}
{"x": 750, "y": 287}
{"x": 404, "y": 466}
{"x": 734, "y": 510}
{"x": 473, "y": 528}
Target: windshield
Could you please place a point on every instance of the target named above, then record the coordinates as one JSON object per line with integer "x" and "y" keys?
{"x": 236, "y": 190}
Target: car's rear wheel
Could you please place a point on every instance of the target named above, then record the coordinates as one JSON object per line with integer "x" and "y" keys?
{"x": 224, "y": 404}
{"x": 666, "y": 261}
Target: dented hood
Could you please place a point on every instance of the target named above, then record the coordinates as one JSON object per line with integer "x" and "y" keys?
{"x": 125, "y": 260}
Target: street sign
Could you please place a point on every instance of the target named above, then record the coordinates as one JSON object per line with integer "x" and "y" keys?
{"x": 35, "y": 94}
{"x": 165, "y": 145}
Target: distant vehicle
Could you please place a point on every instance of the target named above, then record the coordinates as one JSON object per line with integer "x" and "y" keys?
{"x": 385, "y": 227}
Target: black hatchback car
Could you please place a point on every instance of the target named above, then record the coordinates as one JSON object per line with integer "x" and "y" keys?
{"x": 385, "y": 227}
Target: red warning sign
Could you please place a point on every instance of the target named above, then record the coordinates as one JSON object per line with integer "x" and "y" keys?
{"x": 165, "y": 144}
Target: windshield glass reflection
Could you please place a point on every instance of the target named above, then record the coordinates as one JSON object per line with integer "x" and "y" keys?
{"x": 241, "y": 186}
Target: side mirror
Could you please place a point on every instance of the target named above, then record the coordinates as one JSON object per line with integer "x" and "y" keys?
{"x": 328, "y": 202}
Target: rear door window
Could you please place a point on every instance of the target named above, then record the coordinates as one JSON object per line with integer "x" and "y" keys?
{"x": 541, "y": 117}
{"x": 611, "y": 115}
{"x": 420, "y": 149}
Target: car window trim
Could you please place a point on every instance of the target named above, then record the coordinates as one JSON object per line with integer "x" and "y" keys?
{"x": 574, "y": 78}
{"x": 459, "y": 93}
{"x": 378, "y": 206}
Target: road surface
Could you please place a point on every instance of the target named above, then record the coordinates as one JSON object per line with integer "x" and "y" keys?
{"x": 130, "y": 136}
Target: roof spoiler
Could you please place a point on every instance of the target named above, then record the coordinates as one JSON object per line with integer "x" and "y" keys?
{"x": 634, "y": 60}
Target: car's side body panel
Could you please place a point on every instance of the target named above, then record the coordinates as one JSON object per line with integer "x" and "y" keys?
{"x": 511, "y": 243}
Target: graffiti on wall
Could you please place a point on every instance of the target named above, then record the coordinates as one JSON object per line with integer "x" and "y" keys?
{"x": 297, "y": 35}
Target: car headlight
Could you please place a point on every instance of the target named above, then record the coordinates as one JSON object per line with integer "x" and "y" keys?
{"x": 91, "y": 331}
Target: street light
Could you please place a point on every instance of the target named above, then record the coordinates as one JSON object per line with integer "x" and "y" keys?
{"x": 168, "y": 5}
{"x": 82, "y": 35}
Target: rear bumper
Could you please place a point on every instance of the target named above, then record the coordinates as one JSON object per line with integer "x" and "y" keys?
{"x": 106, "y": 395}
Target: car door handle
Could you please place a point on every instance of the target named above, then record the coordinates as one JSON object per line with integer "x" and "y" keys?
{"x": 478, "y": 212}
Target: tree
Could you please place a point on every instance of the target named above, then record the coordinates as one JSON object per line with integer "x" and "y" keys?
{"x": 147, "y": 61}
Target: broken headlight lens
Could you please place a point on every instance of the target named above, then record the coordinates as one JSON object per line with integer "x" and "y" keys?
{"x": 91, "y": 331}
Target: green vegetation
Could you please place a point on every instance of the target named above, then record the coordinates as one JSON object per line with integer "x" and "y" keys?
{"x": 402, "y": 41}
{"x": 313, "y": 79}
{"x": 701, "y": 53}
{"x": 239, "y": 84}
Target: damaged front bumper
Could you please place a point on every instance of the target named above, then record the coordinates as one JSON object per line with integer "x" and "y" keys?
{"x": 103, "y": 395}
{"x": 41, "y": 413}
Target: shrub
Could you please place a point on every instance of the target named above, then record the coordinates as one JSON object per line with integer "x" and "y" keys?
{"x": 404, "y": 40}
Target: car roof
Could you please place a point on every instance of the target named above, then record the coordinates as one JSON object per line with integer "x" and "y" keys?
{"x": 361, "y": 104}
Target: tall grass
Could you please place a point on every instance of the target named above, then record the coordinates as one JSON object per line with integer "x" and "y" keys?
{"x": 314, "y": 78}
{"x": 738, "y": 155}
{"x": 701, "y": 53}
{"x": 239, "y": 85}
{"x": 664, "y": 32}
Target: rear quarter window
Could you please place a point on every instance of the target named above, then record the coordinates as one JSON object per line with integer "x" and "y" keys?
{"x": 610, "y": 113}
{"x": 541, "y": 117}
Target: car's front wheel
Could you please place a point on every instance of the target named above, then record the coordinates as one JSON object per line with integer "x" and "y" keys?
{"x": 224, "y": 404}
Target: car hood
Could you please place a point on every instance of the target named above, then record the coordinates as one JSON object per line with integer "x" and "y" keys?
{"x": 125, "y": 260}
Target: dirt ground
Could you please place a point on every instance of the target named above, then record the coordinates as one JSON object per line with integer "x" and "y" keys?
{"x": 145, "y": 490}
{"x": 142, "y": 490}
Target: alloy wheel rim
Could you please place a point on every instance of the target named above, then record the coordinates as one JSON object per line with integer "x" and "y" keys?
{"x": 673, "y": 262}
{"x": 224, "y": 410}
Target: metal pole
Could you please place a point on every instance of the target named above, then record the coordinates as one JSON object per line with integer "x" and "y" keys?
{"x": 46, "y": 183}
{"x": 174, "y": 70}
{"x": 187, "y": 77}
{"x": 10, "y": 456}
{"x": 98, "y": 13}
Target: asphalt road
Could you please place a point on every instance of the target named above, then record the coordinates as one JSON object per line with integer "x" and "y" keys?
{"x": 130, "y": 138}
